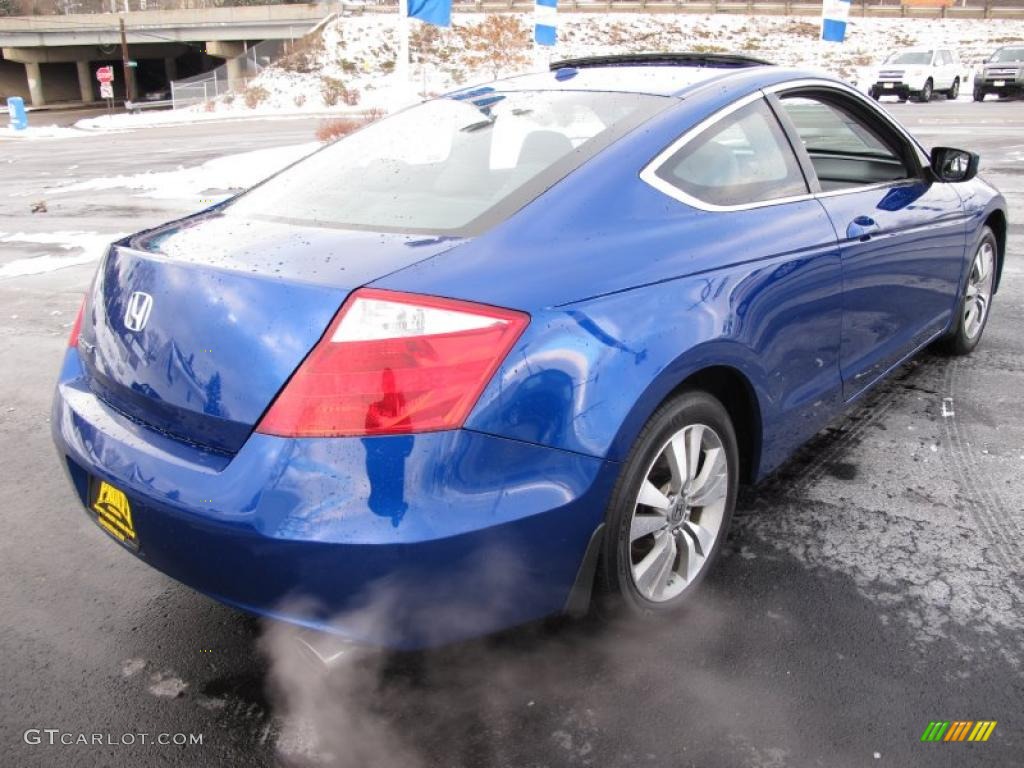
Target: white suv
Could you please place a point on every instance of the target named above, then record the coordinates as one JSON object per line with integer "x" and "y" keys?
{"x": 919, "y": 73}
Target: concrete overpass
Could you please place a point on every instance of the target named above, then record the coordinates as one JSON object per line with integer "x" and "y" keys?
{"x": 55, "y": 57}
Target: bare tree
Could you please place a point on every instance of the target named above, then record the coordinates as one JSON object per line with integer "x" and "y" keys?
{"x": 499, "y": 43}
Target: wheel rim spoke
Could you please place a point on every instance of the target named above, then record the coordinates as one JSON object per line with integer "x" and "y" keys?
{"x": 981, "y": 304}
{"x": 972, "y": 312}
{"x": 691, "y": 560}
{"x": 696, "y": 438}
{"x": 651, "y": 496}
{"x": 709, "y": 486}
{"x": 655, "y": 565}
{"x": 675, "y": 455}
{"x": 645, "y": 525}
{"x": 704, "y": 538}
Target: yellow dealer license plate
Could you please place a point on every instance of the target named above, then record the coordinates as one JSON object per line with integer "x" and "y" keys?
{"x": 114, "y": 513}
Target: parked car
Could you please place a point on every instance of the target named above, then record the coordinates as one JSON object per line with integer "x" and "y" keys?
{"x": 919, "y": 73}
{"x": 515, "y": 346}
{"x": 1002, "y": 74}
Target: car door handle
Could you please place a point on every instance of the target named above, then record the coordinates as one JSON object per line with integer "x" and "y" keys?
{"x": 862, "y": 228}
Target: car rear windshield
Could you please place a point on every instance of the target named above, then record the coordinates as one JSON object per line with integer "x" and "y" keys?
{"x": 911, "y": 57}
{"x": 1008, "y": 54}
{"x": 454, "y": 165}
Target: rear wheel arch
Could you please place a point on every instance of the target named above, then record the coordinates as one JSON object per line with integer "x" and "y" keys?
{"x": 737, "y": 394}
{"x": 728, "y": 384}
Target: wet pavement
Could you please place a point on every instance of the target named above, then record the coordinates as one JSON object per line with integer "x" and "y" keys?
{"x": 872, "y": 585}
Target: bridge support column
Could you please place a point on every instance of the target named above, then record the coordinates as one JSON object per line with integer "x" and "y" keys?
{"x": 35, "y": 84}
{"x": 236, "y": 73}
{"x": 171, "y": 69}
{"x": 229, "y": 50}
{"x": 84, "y": 80}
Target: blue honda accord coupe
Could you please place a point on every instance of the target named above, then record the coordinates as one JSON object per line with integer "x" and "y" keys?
{"x": 515, "y": 348}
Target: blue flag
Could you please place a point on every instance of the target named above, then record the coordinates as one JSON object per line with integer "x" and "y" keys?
{"x": 834, "y": 14}
{"x": 436, "y": 12}
{"x": 545, "y": 17}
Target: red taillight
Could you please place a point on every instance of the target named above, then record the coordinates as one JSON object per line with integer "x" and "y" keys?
{"x": 392, "y": 363}
{"x": 76, "y": 327}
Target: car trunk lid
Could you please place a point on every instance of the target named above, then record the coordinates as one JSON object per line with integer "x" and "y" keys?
{"x": 192, "y": 329}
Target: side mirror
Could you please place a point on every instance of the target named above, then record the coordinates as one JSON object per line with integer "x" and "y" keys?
{"x": 954, "y": 165}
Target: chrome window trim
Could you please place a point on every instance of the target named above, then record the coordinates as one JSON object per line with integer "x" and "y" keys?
{"x": 649, "y": 172}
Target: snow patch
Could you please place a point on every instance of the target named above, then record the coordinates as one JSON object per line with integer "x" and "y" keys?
{"x": 231, "y": 172}
{"x": 93, "y": 245}
{"x": 166, "y": 685}
{"x": 132, "y": 667}
{"x": 40, "y": 132}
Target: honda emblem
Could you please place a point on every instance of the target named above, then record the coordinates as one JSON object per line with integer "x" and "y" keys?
{"x": 137, "y": 314}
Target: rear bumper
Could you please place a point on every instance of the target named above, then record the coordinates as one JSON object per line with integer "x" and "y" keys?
{"x": 1009, "y": 87}
{"x": 889, "y": 88}
{"x": 404, "y": 541}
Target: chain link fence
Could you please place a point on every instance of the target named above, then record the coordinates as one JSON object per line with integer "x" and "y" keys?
{"x": 231, "y": 76}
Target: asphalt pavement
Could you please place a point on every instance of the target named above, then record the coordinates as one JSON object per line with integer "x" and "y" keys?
{"x": 871, "y": 586}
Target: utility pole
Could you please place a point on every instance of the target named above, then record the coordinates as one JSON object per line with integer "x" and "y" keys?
{"x": 129, "y": 82}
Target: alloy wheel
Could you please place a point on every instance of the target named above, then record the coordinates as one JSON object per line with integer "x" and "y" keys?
{"x": 979, "y": 289}
{"x": 678, "y": 513}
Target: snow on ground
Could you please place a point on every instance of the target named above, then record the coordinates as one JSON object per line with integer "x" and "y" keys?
{"x": 121, "y": 121}
{"x": 211, "y": 181}
{"x": 39, "y": 132}
{"x": 90, "y": 246}
{"x": 358, "y": 54}
{"x": 198, "y": 186}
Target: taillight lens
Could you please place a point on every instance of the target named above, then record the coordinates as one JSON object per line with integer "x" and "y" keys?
{"x": 393, "y": 363}
{"x": 76, "y": 327}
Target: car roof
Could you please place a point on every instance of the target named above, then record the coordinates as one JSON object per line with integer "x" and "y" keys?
{"x": 651, "y": 74}
{"x": 654, "y": 80}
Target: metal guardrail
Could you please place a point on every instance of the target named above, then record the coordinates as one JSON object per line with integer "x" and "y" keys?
{"x": 138, "y": 106}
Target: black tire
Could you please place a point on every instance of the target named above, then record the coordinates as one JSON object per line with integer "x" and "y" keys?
{"x": 615, "y": 587}
{"x": 902, "y": 98}
{"x": 926, "y": 93}
{"x": 979, "y": 95}
{"x": 875, "y": 94}
{"x": 954, "y": 93}
{"x": 957, "y": 340}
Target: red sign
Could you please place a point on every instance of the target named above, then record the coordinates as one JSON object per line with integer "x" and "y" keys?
{"x": 105, "y": 74}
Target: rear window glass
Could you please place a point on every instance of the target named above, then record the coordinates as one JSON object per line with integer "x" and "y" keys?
{"x": 451, "y": 165}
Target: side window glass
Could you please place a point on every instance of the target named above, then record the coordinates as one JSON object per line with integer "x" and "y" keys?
{"x": 743, "y": 158}
{"x": 845, "y": 149}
